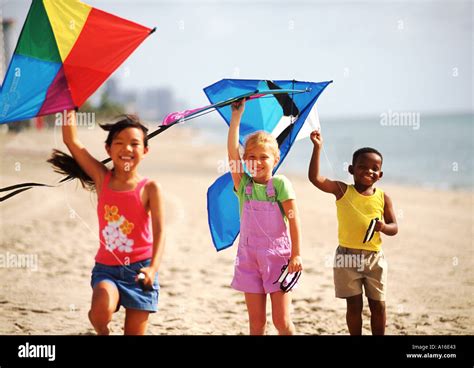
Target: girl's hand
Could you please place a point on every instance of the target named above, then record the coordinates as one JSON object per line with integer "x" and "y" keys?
{"x": 316, "y": 138}
{"x": 149, "y": 276}
{"x": 295, "y": 264}
{"x": 238, "y": 107}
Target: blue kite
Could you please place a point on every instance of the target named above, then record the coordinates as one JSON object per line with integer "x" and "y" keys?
{"x": 281, "y": 114}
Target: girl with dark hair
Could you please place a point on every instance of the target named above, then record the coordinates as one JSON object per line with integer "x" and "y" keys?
{"x": 130, "y": 213}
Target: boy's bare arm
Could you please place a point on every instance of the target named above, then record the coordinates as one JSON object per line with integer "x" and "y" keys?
{"x": 337, "y": 188}
{"x": 389, "y": 226}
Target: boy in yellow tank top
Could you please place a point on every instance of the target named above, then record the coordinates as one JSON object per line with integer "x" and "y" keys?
{"x": 363, "y": 212}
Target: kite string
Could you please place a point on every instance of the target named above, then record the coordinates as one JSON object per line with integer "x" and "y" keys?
{"x": 339, "y": 185}
{"x": 160, "y": 129}
{"x": 87, "y": 225}
{"x": 122, "y": 264}
{"x": 292, "y": 120}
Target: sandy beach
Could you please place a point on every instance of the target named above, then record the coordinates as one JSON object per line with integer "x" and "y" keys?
{"x": 430, "y": 287}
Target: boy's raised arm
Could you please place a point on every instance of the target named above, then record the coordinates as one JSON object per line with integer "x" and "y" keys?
{"x": 337, "y": 188}
{"x": 233, "y": 143}
{"x": 94, "y": 168}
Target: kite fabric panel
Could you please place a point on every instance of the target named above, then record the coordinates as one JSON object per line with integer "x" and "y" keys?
{"x": 66, "y": 50}
{"x": 283, "y": 117}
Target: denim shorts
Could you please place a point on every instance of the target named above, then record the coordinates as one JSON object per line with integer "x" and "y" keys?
{"x": 124, "y": 279}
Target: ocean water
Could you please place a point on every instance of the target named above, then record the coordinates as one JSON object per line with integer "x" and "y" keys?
{"x": 427, "y": 151}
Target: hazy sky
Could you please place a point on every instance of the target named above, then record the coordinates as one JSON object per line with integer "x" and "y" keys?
{"x": 412, "y": 56}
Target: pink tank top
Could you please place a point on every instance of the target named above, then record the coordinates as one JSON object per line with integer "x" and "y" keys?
{"x": 124, "y": 226}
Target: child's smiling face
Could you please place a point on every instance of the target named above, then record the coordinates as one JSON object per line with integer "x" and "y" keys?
{"x": 260, "y": 161}
{"x": 367, "y": 169}
{"x": 127, "y": 149}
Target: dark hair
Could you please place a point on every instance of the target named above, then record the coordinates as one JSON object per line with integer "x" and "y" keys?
{"x": 361, "y": 151}
{"x": 128, "y": 121}
{"x": 65, "y": 164}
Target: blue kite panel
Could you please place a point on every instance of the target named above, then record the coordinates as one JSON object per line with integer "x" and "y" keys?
{"x": 260, "y": 114}
{"x": 25, "y": 87}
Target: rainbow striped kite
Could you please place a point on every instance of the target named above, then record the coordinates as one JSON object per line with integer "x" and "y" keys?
{"x": 66, "y": 50}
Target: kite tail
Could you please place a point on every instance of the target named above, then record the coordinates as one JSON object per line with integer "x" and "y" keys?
{"x": 65, "y": 164}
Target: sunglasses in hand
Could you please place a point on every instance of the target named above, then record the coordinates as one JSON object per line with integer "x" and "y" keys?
{"x": 369, "y": 234}
{"x": 287, "y": 280}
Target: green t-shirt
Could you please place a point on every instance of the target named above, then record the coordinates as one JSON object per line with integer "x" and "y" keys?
{"x": 283, "y": 190}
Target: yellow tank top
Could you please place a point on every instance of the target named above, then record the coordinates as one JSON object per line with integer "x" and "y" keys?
{"x": 354, "y": 213}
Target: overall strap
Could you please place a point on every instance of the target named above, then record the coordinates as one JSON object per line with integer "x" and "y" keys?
{"x": 249, "y": 188}
{"x": 271, "y": 189}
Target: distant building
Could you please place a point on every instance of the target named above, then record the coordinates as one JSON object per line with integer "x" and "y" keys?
{"x": 156, "y": 103}
{"x": 6, "y": 51}
{"x": 6, "y": 26}
{"x": 151, "y": 104}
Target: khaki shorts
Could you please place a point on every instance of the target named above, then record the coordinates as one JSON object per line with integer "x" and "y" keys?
{"x": 356, "y": 267}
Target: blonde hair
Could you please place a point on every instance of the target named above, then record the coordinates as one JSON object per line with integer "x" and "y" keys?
{"x": 262, "y": 139}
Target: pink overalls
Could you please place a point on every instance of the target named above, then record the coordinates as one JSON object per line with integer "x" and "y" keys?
{"x": 264, "y": 246}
